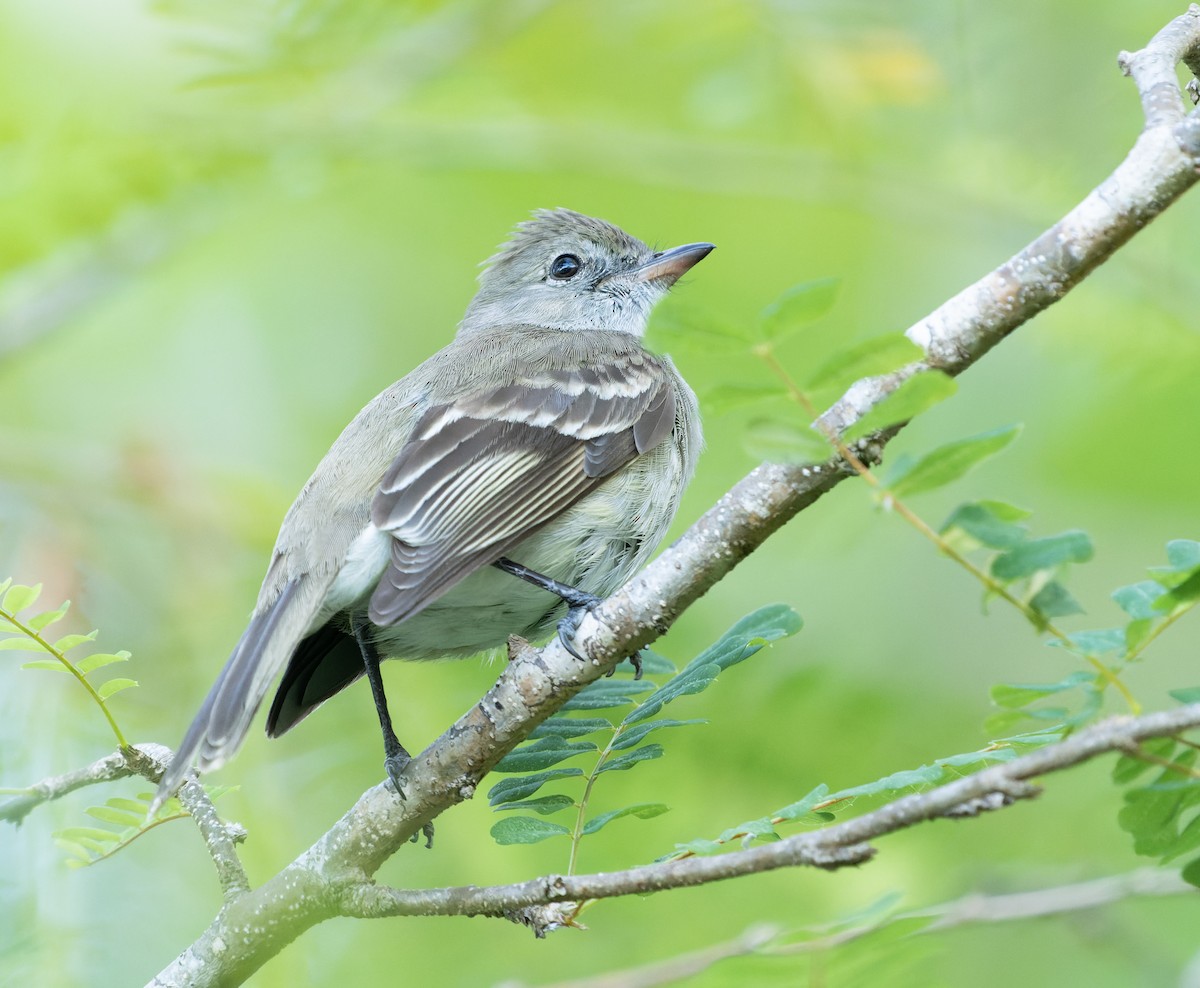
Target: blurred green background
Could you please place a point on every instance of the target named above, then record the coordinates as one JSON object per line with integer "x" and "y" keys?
{"x": 224, "y": 226}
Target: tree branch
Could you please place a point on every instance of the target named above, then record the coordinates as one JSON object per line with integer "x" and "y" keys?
{"x": 830, "y": 847}
{"x": 761, "y": 940}
{"x": 148, "y": 761}
{"x": 1160, "y": 167}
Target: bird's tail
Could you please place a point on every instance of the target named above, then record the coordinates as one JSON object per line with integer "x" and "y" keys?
{"x": 260, "y": 654}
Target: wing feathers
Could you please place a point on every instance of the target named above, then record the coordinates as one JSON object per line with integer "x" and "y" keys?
{"x": 483, "y": 473}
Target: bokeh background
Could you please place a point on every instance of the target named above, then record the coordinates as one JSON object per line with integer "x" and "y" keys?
{"x": 226, "y": 225}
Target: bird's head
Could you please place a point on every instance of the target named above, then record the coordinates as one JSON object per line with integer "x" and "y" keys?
{"x": 564, "y": 270}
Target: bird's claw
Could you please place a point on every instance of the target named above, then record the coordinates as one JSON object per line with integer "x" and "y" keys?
{"x": 580, "y": 604}
{"x": 394, "y": 763}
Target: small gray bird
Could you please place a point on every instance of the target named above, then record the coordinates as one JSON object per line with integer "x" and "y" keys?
{"x": 543, "y": 443}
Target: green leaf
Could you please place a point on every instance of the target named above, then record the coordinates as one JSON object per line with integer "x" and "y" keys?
{"x": 1137, "y": 600}
{"x": 1014, "y": 695}
{"x": 523, "y": 786}
{"x": 107, "y": 689}
{"x": 98, "y": 660}
{"x": 80, "y": 854}
{"x": 604, "y": 694}
{"x": 18, "y": 597}
{"x": 1186, "y": 842}
{"x": 679, "y": 326}
{"x": 1149, "y": 816}
{"x": 627, "y": 761}
{"x": 51, "y": 665}
{"x": 878, "y": 355}
{"x": 40, "y": 621}
{"x": 634, "y": 735}
{"x": 111, "y": 814}
{"x": 542, "y": 754}
{"x": 526, "y": 830}
{"x": 691, "y": 680}
{"x": 1191, "y": 872}
{"x": 1183, "y": 554}
{"x": 1042, "y": 554}
{"x": 1094, "y": 643}
{"x": 1136, "y": 633}
{"x": 802, "y": 807}
{"x": 990, "y": 523}
{"x": 700, "y": 846}
{"x": 798, "y": 307}
{"x": 569, "y": 727}
{"x": 971, "y": 760}
{"x": 22, "y": 643}
{"x": 543, "y": 805}
{"x": 746, "y": 637}
{"x": 643, "y": 811}
{"x": 68, "y": 642}
{"x": 1183, "y": 593}
{"x": 726, "y": 397}
{"x": 948, "y": 463}
{"x": 1189, "y": 694}
{"x": 135, "y": 806}
{"x": 1054, "y": 600}
{"x": 85, "y": 834}
{"x": 907, "y": 779}
{"x": 785, "y": 441}
{"x": 761, "y": 829}
{"x": 1129, "y": 768}
{"x": 769, "y": 623}
{"x": 7, "y": 582}
{"x": 915, "y": 395}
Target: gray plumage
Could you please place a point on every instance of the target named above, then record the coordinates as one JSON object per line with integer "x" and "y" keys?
{"x": 544, "y": 432}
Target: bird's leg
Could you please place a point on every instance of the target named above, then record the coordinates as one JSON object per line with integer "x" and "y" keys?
{"x": 395, "y": 755}
{"x": 578, "y": 602}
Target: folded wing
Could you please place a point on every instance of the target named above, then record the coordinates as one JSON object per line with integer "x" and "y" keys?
{"x": 481, "y": 474}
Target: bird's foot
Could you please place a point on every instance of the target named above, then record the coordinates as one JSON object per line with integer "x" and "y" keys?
{"x": 395, "y": 761}
{"x": 579, "y": 604}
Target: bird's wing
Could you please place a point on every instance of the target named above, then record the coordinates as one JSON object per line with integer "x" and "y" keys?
{"x": 482, "y": 473}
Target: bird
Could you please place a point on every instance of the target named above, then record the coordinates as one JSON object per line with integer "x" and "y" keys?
{"x": 534, "y": 462}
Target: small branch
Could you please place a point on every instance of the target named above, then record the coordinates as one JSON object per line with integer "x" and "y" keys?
{"x": 762, "y": 940}
{"x": 107, "y": 769}
{"x": 147, "y": 761}
{"x": 830, "y": 847}
{"x": 220, "y": 838}
{"x": 1054, "y": 901}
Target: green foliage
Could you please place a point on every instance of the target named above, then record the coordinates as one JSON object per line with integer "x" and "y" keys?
{"x": 778, "y": 440}
{"x": 915, "y": 395}
{"x": 1160, "y": 815}
{"x": 1030, "y": 570}
{"x": 820, "y": 805}
{"x": 24, "y": 633}
{"x": 128, "y": 819}
{"x": 797, "y": 308}
{"x": 625, "y": 746}
{"x": 946, "y": 464}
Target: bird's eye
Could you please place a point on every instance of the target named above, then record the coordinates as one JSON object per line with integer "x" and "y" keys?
{"x": 565, "y": 266}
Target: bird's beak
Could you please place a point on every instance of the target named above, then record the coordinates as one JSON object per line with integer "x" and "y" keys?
{"x": 667, "y": 266}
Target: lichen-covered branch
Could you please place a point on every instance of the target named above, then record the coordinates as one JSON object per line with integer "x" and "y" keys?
{"x": 147, "y": 761}
{"x": 1159, "y": 168}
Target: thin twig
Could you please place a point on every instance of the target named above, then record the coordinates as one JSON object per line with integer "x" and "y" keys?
{"x": 766, "y": 940}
